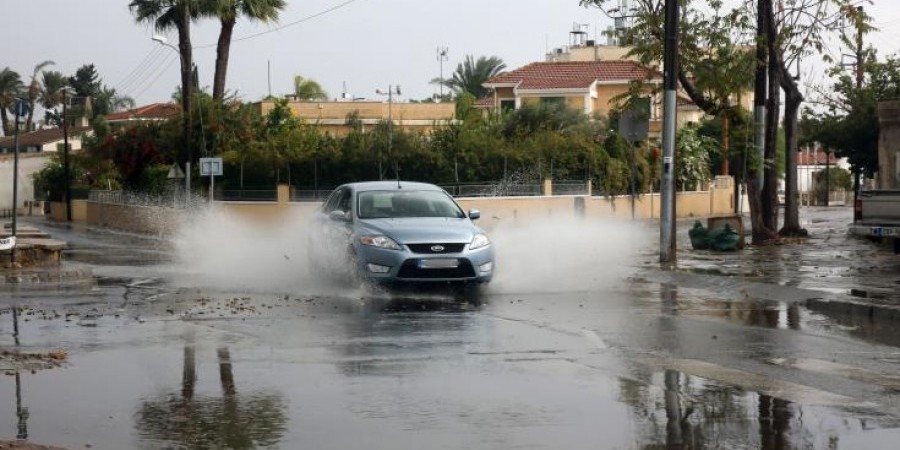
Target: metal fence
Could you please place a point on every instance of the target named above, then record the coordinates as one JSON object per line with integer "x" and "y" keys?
{"x": 310, "y": 195}
{"x": 132, "y": 198}
{"x": 247, "y": 195}
{"x": 570, "y": 188}
{"x": 493, "y": 189}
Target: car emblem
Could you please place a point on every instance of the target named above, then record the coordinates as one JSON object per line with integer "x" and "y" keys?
{"x": 437, "y": 248}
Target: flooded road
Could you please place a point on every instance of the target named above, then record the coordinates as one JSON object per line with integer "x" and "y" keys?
{"x": 752, "y": 350}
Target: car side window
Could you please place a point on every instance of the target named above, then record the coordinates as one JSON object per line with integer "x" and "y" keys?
{"x": 332, "y": 201}
{"x": 343, "y": 203}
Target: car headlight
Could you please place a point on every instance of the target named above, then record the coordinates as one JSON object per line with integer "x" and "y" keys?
{"x": 379, "y": 241}
{"x": 480, "y": 240}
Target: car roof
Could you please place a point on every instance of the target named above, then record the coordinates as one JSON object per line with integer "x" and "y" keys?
{"x": 392, "y": 186}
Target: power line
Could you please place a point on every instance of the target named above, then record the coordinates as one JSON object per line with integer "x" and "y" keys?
{"x": 156, "y": 77}
{"x": 141, "y": 72}
{"x": 127, "y": 79}
{"x": 296, "y": 22}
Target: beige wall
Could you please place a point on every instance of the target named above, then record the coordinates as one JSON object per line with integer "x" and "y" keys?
{"x": 79, "y": 211}
{"x": 163, "y": 221}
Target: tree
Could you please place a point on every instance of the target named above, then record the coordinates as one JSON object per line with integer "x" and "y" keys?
{"x": 10, "y": 88}
{"x": 307, "y": 89}
{"x": 471, "y": 74}
{"x": 228, "y": 11}
{"x": 848, "y": 125}
{"x": 174, "y": 14}
{"x": 108, "y": 101}
{"x": 33, "y": 92}
{"x": 86, "y": 81}
{"x": 53, "y": 84}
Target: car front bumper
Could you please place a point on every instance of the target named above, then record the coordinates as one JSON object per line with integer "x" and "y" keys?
{"x": 386, "y": 265}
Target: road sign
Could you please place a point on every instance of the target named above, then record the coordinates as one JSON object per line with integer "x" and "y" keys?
{"x": 21, "y": 107}
{"x": 210, "y": 167}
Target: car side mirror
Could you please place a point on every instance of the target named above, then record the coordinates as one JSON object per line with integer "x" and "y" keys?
{"x": 339, "y": 216}
{"x": 474, "y": 214}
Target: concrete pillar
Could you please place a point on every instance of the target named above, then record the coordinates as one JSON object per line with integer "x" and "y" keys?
{"x": 547, "y": 188}
{"x": 889, "y": 145}
{"x": 284, "y": 193}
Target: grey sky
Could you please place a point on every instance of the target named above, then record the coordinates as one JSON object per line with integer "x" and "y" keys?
{"x": 368, "y": 44}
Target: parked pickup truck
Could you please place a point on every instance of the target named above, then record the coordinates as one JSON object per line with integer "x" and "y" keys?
{"x": 876, "y": 216}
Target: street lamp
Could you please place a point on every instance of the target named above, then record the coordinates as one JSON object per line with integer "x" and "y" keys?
{"x": 390, "y": 94}
{"x": 441, "y": 57}
{"x": 186, "y": 104}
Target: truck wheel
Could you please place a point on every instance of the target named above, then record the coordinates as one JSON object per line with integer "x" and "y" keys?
{"x": 896, "y": 246}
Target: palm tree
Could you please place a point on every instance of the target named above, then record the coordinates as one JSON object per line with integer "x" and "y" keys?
{"x": 53, "y": 84}
{"x": 10, "y": 88}
{"x": 33, "y": 92}
{"x": 307, "y": 89}
{"x": 228, "y": 11}
{"x": 109, "y": 101}
{"x": 471, "y": 74}
{"x": 166, "y": 15}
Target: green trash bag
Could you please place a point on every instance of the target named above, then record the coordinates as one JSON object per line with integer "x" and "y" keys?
{"x": 725, "y": 240}
{"x": 699, "y": 236}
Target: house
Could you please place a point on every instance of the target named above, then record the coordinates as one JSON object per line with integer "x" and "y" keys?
{"x": 47, "y": 140}
{"x": 589, "y": 86}
{"x": 331, "y": 116}
{"x": 153, "y": 112}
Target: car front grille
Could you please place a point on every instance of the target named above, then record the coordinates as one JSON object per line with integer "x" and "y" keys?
{"x": 427, "y": 248}
{"x": 411, "y": 269}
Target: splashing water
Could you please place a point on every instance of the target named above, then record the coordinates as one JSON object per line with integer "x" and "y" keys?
{"x": 221, "y": 249}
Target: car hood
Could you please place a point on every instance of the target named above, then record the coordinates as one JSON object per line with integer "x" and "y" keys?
{"x": 422, "y": 230}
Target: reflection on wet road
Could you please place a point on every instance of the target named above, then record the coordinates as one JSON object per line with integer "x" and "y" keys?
{"x": 655, "y": 360}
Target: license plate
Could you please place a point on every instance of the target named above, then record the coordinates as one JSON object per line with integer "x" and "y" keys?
{"x": 439, "y": 263}
{"x": 879, "y": 231}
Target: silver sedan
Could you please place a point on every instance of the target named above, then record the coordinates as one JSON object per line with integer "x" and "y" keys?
{"x": 390, "y": 231}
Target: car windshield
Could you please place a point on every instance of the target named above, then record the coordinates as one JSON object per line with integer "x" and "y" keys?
{"x": 388, "y": 204}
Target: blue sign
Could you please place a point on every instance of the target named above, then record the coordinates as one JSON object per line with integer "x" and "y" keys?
{"x": 21, "y": 107}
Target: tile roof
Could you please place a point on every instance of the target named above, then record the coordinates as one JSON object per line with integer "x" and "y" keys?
{"x": 41, "y": 137}
{"x": 153, "y": 111}
{"x": 815, "y": 157}
{"x": 571, "y": 75}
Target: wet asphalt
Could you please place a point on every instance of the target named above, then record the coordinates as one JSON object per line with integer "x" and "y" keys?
{"x": 791, "y": 346}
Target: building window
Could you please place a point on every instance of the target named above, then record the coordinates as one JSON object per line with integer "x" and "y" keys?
{"x": 507, "y": 105}
{"x": 554, "y": 101}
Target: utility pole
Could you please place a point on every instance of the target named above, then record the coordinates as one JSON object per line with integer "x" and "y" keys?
{"x": 670, "y": 68}
{"x": 21, "y": 108}
{"x": 441, "y": 57}
{"x": 859, "y": 47}
{"x": 66, "y": 171}
{"x": 390, "y": 94}
{"x": 759, "y": 92}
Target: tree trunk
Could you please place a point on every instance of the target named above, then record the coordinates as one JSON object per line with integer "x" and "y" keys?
{"x": 791, "y": 191}
{"x": 761, "y": 234}
{"x": 725, "y": 143}
{"x": 4, "y": 120}
{"x": 184, "y": 47}
{"x": 222, "y": 49}
{"x": 793, "y": 99}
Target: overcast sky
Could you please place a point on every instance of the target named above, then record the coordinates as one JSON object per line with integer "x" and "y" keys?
{"x": 367, "y": 44}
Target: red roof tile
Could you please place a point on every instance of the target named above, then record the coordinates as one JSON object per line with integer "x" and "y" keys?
{"x": 41, "y": 137}
{"x": 572, "y": 75}
{"x": 153, "y": 111}
{"x": 815, "y": 157}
